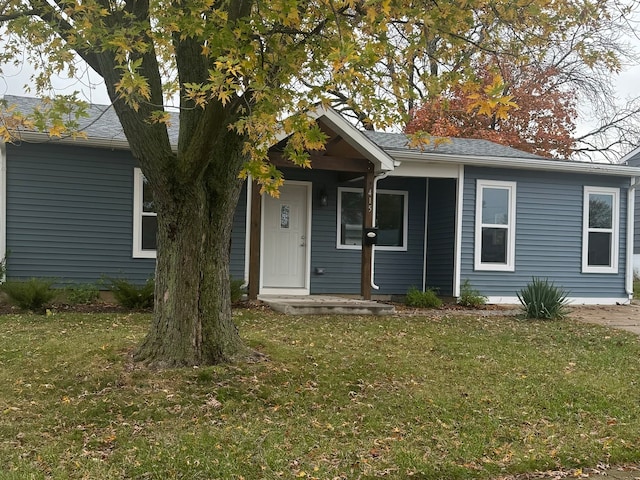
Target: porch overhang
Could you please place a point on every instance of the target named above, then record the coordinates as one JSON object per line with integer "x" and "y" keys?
{"x": 348, "y": 151}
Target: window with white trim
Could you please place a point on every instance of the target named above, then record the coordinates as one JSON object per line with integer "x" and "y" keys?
{"x": 495, "y": 222}
{"x": 145, "y": 221}
{"x": 600, "y": 229}
{"x": 392, "y": 218}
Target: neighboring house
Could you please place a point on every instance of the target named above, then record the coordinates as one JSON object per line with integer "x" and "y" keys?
{"x": 471, "y": 210}
{"x": 633, "y": 159}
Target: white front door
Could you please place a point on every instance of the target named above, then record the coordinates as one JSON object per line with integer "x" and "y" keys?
{"x": 285, "y": 242}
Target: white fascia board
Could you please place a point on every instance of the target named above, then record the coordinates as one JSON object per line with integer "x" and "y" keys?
{"x": 507, "y": 300}
{"x": 630, "y": 155}
{"x": 108, "y": 143}
{"x": 354, "y": 137}
{"x": 519, "y": 163}
{"x": 432, "y": 170}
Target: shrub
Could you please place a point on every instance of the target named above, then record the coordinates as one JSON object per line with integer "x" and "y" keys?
{"x": 82, "y": 294}
{"x": 134, "y": 297}
{"x": 236, "y": 290}
{"x": 426, "y": 299}
{"x": 32, "y": 294}
{"x": 542, "y": 299}
{"x": 470, "y": 297}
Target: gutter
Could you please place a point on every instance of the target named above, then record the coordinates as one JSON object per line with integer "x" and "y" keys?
{"x": 43, "y": 138}
{"x": 514, "y": 162}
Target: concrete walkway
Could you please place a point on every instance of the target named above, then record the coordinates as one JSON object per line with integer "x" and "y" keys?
{"x": 629, "y": 472}
{"x": 623, "y": 317}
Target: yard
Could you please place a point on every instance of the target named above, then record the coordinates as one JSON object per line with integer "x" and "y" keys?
{"x": 339, "y": 397}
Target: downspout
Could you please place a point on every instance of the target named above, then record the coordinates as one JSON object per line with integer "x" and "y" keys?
{"x": 633, "y": 183}
{"x": 457, "y": 268}
{"x": 378, "y": 176}
{"x": 247, "y": 232}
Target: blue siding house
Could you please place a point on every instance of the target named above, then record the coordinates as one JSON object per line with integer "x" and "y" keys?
{"x": 633, "y": 159}
{"x": 467, "y": 210}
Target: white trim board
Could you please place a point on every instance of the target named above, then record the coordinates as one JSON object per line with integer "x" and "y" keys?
{"x": 307, "y": 282}
{"x": 496, "y": 300}
{"x": 138, "y": 186}
{"x": 509, "y": 226}
{"x": 405, "y": 219}
{"x": 614, "y": 230}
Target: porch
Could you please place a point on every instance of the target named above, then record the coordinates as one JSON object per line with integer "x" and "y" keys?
{"x": 325, "y": 305}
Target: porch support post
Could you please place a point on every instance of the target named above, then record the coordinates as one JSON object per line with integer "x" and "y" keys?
{"x": 254, "y": 242}
{"x": 367, "y": 222}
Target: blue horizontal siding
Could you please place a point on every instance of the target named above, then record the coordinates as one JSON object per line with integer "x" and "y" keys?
{"x": 636, "y": 232}
{"x": 238, "y": 237}
{"x": 441, "y": 224}
{"x": 69, "y": 214}
{"x": 548, "y": 234}
{"x": 395, "y": 271}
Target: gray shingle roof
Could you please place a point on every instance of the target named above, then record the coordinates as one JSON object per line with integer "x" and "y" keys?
{"x": 101, "y": 122}
{"x": 456, "y": 146}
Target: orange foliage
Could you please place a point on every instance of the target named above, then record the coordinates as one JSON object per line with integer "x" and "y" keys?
{"x": 542, "y": 122}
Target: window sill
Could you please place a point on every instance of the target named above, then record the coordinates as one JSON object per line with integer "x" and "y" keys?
{"x": 144, "y": 254}
{"x": 487, "y": 267}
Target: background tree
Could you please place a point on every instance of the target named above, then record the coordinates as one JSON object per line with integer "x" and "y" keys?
{"x": 542, "y": 122}
{"x": 238, "y": 67}
{"x": 532, "y": 44}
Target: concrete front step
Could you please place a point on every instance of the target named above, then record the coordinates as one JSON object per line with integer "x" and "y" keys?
{"x": 325, "y": 305}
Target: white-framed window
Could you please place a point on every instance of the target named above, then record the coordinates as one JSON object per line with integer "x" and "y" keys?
{"x": 145, "y": 221}
{"x": 600, "y": 229}
{"x": 495, "y": 233}
{"x": 392, "y": 218}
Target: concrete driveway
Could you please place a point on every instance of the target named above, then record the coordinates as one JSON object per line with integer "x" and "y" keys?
{"x": 624, "y": 317}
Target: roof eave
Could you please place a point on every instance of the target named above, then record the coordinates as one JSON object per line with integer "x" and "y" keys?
{"x": 519, "y": 163}
{"x": 355, "y": 137}
{"x": 94, "y": 142}
{"x": 630, "y": 155}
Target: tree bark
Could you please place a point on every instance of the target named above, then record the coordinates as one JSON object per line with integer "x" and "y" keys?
{"x": 192, "y": 322}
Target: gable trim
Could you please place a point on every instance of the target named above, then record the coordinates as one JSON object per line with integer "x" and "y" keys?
{"x": 630, "y": 155}
{"x": 355, "y": 138}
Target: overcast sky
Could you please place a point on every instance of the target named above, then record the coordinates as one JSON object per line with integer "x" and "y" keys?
{"x": 12, "y": 82}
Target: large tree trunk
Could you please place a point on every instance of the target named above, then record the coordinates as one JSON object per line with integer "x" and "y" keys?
{"x": 192, "y": 322}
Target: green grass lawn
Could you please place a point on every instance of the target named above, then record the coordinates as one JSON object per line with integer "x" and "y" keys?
{"x": 340, "y": 397}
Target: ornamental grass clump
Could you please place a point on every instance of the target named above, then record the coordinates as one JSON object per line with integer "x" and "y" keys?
{"x": 31, "y": 295}
{"x": 426, "y": 299}
{"x": 542, "y": 299}
{"x": 134, "y": 297}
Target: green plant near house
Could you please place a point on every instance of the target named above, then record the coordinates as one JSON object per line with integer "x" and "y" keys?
{"x": 32, "y": 294}
{"x": 470, "y": 297}
{"x": 3, "y": 267}
{"x": 134, "y": 297}
{"x": 82, "y": 294}
{"x": 542, "y": 299}
{"x": 426, "y": 299}
{"x": 236, "y": 290}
